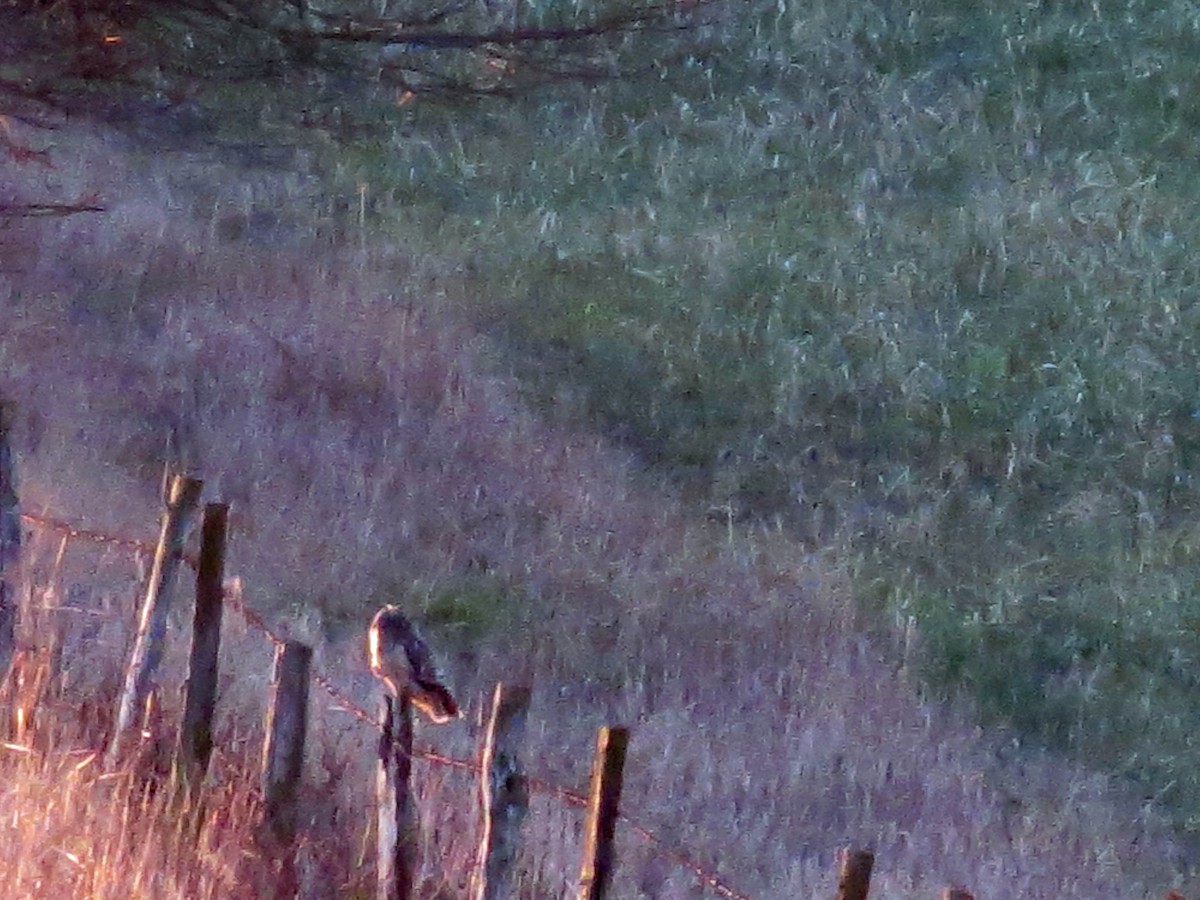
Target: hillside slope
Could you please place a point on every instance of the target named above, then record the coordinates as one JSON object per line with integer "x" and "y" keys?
{"x": 374, "y": 449}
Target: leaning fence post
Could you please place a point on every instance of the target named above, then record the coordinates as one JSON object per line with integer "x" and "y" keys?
{"x": 604, "y": 801}
{"x": 396, "y": 815}
{"x": 10, "y": 545}
{"x": 195, "y": 734}
{"x": 152, "y": 624}
{"x": 283, "y": 750}
{"x": 854, "y": 873}
{"x": 503, "y": 794}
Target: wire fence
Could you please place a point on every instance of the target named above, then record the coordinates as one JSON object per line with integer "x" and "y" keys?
{"x": 340, "y": 700}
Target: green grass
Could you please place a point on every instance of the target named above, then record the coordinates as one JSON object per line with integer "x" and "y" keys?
{"x": 931, "y": 270}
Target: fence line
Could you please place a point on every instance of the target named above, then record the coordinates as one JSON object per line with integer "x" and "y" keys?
{"x": 152, "y": 623}
{"x": 200, "y": 694}
{"x": 608, "y": 775}
{"x": 10, "y": 545}
{"x": 854, "y": 864}
{"x": 503, "y": 793}
{"x": 341, "y": 701}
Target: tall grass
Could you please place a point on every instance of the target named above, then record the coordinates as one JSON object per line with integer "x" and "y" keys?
{"x": 74, "y": 827}
{"x": 916, "y": 282}
{"x": 907, "y": 289}
{"x": 375, "y": 448}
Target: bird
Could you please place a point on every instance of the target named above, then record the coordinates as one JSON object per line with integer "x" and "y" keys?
{"x": 402, "y": 661}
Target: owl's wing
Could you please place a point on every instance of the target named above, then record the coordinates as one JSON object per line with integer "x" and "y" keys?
{"x": 430, "y": 693}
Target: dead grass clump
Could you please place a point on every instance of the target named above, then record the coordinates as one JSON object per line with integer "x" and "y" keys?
{"x": 72, "y": 829}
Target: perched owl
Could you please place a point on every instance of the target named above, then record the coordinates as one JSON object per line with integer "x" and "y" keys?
{"x": 401, "y": 660}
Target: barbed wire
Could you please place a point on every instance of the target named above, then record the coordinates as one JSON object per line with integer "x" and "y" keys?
{"x": 96, "y": 537}
{"x": 346, "y": 704}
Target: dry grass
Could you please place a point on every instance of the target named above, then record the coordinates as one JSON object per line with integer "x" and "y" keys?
{"x": 373, "y": 449}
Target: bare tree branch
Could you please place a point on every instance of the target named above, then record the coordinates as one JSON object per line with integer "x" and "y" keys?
{"x": 31, "y": 210}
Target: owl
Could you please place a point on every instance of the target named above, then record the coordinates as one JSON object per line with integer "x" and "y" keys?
{"x": 402, "y": 661}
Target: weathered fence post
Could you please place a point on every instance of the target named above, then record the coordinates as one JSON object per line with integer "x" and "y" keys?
{"x": 195, "y": 734}
{"x": 10, "y": 546}
{"x": 396, "y": 814}
{"x": 854, "y": 873}
{"x": 503, "y": 794}
{"x": 152, "y": 624}
{"x": 283, "y": 751}
{"x": 605, "y": 798}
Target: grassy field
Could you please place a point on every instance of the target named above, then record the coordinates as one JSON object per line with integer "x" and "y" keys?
{"x": 848, "y": 320}
{"x": 916, "y": 284}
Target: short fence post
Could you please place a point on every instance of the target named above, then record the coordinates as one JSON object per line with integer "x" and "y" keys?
{"x": 604, "y": 802}
{"x": 152, "y": 625}
{"x": 503, "y": 794}
{"x": 195, "y": 734}
{"x": 396, "y": 815}
{"x": 854, "y": 873}
{"x": 283, "y": 751}
{"x": 10, "y": 546}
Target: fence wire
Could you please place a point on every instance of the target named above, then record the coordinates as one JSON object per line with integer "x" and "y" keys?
{"x": 343, "y": 702}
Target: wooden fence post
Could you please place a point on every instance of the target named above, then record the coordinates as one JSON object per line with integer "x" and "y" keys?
{"x": 152, "y": 624}
{"x": 283, "y": 751}
{"x": 605, "y": 798}
{"x": 10, "y": 545}
{"x": 960, "y": 894}
{"x": 396, "y": 815}
{"x": 854, "y": 873}
{"x": 503, "y": 794}
{"x": 195, "y": 734}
